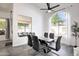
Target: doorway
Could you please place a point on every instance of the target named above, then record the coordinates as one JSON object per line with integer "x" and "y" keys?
{"x": 4, "y": 32}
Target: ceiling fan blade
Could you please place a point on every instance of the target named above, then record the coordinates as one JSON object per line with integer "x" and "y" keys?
{"x": 53, "y": 10}
{"x": 54, "y": 6}
{"x": 56, "y": 10}
{"x": 43, "y": 9}
{"x": 60, "y": 9}
{"x": 48, "y": 5}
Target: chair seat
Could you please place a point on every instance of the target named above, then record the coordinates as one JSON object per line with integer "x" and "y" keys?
{"x": 50, "y": 41}
{"x": 52, "y": 45}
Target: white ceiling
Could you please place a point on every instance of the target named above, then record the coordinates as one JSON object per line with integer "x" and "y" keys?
{"x": 6, "y": 7}
{"x": 62, "y": 5}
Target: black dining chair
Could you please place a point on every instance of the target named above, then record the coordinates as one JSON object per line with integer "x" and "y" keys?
{"x": 30, "y": 43}
{"x": 42, "y": 42}
{"x": 46, "y": 35}
{"x": 36, "y": 44}
{"x": 51, "y": 35}
{"x": 57, "y": 45}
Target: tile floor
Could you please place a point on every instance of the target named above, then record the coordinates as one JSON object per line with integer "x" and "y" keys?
{"x": 25, "y": 50}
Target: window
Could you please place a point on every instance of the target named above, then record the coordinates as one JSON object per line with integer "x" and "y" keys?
{"x": 59, "y": 24}
{"x": 24, "y": 24}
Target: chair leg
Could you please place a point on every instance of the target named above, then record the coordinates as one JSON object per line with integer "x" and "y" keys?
{"x": 41, "y": 50}
{"x": 46, "y": 50}
{"x": 49, "y": 50}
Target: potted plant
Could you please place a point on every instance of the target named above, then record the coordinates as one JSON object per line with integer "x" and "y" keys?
{"x": 75, "y": 30}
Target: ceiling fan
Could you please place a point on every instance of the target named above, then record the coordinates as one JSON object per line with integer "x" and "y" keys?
{"x": 49, "y": 9}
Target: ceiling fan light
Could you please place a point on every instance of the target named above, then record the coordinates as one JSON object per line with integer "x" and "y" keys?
{"x": 49, "y": 10}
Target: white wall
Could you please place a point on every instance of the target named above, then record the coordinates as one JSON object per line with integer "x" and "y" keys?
{"x": 26, "y": 10}
{"x": 74, "y": 12}
{"x": 4, "y": 14}
{"x": 46, "y": 22}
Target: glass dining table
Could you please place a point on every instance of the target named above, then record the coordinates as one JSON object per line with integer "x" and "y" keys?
{"x": 48, "y": 40}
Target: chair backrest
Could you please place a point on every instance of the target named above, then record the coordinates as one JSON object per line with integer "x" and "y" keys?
{"x": 58, "y": 43}
{"x": 29, "y": 40}
{"x": 35, "y": 43}
{"x": 46, "y": 35}
{"x": 51, "y": 35}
